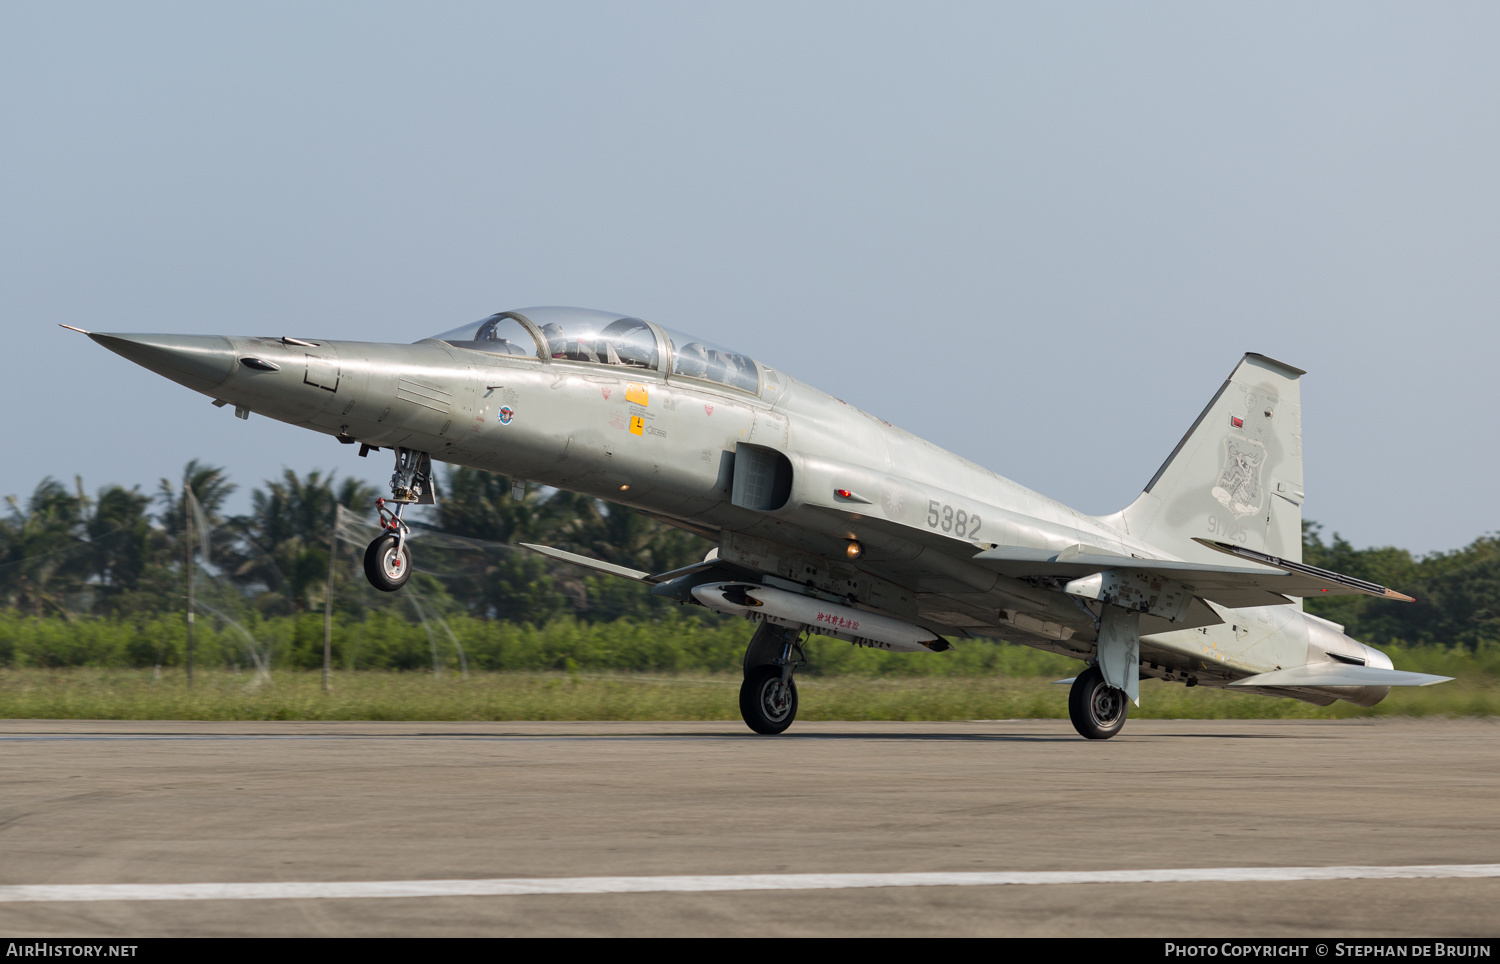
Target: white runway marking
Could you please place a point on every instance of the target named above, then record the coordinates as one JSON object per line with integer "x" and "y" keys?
{"x": 522, "y": 886}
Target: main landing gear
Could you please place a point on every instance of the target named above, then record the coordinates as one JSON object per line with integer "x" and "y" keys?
{"x": 388, "y": 558}
{"x": 1097, "y": 709}
{"x": 768, "y": 696}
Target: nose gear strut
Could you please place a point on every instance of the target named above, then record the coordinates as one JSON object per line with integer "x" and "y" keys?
{"x": 388, "y": 558}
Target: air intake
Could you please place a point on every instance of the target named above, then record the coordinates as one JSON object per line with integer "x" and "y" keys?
{"x": 762, "y": 478}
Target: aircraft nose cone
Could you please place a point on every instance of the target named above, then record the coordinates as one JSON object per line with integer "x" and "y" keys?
{"x": 201, "y": 362}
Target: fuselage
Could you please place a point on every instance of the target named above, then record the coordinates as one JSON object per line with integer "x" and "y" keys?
{"x": 650, "y": 427}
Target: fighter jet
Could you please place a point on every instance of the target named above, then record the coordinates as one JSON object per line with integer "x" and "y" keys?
{"x": 830, "y": 520}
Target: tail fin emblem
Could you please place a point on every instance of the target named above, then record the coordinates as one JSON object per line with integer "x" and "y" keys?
{"x": 1238, "y": 488}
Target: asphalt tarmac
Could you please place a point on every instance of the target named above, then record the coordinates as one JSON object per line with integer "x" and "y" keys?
{"x": 157, "y": 803}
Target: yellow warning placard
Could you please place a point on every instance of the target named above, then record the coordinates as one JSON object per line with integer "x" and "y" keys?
{"x": 636, "y": 393}
{"x": 637, "y": 425}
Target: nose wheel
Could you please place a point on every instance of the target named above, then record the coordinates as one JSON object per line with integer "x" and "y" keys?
{"x": 388, "y": 558}
{"x": 388, "y": 562}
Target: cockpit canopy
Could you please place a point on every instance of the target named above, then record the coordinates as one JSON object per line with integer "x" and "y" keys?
{"x": 700, "y": 359}
{"x": 603, "y": 338}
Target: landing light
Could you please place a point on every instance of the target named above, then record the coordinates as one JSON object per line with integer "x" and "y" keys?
{"x": 853, "y": 550}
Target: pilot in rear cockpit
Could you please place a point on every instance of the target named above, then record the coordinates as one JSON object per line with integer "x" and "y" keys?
{"x": 692, "y": 360}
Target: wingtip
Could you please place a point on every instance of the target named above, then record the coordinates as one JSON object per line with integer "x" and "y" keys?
{"x": 79, "y": 330}
{"x": 1403, "y": 597}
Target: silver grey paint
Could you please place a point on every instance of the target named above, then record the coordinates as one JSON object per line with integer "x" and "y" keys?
{"x": 672, "y": 446}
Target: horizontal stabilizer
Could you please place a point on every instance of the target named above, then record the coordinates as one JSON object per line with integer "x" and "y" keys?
{"x": 1232, "y": 586}
{"x": 1340, "y": 674}
{"x": 1327, "y": 576}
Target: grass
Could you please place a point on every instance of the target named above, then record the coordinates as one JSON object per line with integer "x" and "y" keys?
{"x": 131, "y": 694}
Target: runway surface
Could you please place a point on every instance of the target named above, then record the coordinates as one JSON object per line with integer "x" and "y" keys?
{"x": 1002, "y": 828}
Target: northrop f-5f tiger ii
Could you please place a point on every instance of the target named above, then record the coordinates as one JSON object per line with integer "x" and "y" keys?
{"x": 832, "y": 521}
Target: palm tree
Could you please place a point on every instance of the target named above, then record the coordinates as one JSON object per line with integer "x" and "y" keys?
{"x": 479, "y": 505}
{"x": 490, "y": 578}
{"x": 40, "y": 548}
{"x": 522, "y": 586}
{"x": 122, "y": 543}
{"x": 211, "y": 488}
{"x": 284, "y": 539}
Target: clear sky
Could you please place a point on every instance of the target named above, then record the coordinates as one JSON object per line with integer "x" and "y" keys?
{"x": 1039, "y": 234}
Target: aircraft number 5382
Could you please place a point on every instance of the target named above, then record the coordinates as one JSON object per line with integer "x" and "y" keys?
{"x": 946, "y": 518}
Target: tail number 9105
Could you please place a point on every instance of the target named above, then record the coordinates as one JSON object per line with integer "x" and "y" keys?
{"x": 949, "y": 519}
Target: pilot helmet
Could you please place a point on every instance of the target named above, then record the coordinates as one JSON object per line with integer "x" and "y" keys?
{"x": 692, "y": 360}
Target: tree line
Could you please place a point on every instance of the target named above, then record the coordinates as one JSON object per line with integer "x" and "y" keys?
{"x": 120, "y": 552}
{"x": 1457, "y": 592}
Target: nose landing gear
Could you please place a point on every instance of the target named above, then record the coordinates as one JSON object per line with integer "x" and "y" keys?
{"x": 388, "y": 558}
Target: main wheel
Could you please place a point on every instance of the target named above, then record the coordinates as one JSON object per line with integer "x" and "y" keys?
{"x": 767, "y": 704}
{"x": 386, "y": 568}
{"x": 1097, "y": 709}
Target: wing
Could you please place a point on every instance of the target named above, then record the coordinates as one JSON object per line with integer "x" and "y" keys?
{"x": 585, "y": 562}
{"x": 625, "y": 572}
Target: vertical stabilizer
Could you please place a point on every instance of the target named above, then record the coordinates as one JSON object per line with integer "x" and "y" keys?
{"x": 1236, "y": 476}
